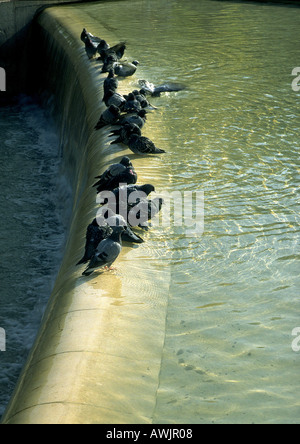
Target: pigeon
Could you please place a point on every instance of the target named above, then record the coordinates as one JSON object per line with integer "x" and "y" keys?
{"x": 117, "y": 51}
{"x": 109, "y": 62}
{"x": 112, "y": 55}
{"x": 131, "y": 104}
{"x": 94, "y": 235}
{"x": 115, "y": 174}
{"x": 110, "y": 116}
{"x": 84, "y": 35}
{"x": 141, "y": 97}
{"x": 102, "y": 46}
{"x": 126, "y": 195}
{"x": 142, "y": 145}
{"x": 90, "y": 48}
{"x": 127, "y": 235}
{"x": 128, "y": 189}
{"x": 111, "y": 82}
{"x": 155, "y": 91}
{"x": 125, "y": 69}
{"x": 87, "y": 35}
{"x": 130, "y": 236}
{"x": 114, "y": 98}
{"x": 131, "y": 203}
{"x": 138, "y": 119}
{"x": 107, "y": 251}
{"x": 142, "y": 211}
{"x": 125, "y": 132}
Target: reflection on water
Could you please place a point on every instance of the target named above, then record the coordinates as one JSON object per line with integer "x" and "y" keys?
{"x": 234, "y": 134}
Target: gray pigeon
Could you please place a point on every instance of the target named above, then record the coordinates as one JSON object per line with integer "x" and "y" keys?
{"x": 144, "y": 210}
{"x": 111, "y": 54}
{"x": 90, "y": 48}
{"x": 103, "y": 45}
{"x": 128, "y": 235}
{"x": 94, "y": 235}
{"x": 110, "y": 83}
{"x": 107, "y": 251}
{"x": 138, "y": 119}
{"x": 142, "y": 145}
{"x": 155, "y": 91}
{"x": 141, "y": 97}
{"x": 114, "y": 98}
{"x": 128, "y": 193}
{"x": 85, "y": 34}
{"x": 125, "y": 132}
{"x": 91, "y": 43}
{"x": 110, "y": 60}
{"x": 115, "y": 174}
{"x": 132, "y": 104}
{"x": 110, "y": 116}
{"x": 125, "y": 69}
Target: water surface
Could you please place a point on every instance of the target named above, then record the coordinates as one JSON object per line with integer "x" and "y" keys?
{"x": 234, "y": 134}
{"x": 33, "y": 227}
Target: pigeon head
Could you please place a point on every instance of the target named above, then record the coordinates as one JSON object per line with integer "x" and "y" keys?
{"x": 148, "y": 188}
{"x": 83, "y": 35}
{"x": 132, "y": 128}
{"x": 131, "y": 96}
{"x": 103, "y": 214}
{"x": 144, "y": 103}
{"x": 126, "y": 161}
{"x": 103, "y": 45}
{"x": 133, "y": 138}
{"x": 135, "y": 62}
{"x": 116, "y": 221}
{"x": 114, "y": 110}
{"x": 142, "y": 113}
{"x": 95, "y": 223}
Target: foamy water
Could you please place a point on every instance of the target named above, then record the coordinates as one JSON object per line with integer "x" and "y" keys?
{"x": 33, "y": 227}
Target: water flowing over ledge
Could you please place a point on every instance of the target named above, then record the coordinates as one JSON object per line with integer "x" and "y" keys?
{"x": 97, "y": 356}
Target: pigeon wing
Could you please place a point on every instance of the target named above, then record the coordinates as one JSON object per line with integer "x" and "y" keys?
{"x": 94, "y": 235}
{"x": 107, "y": 253}
{"x": 169, "y": 87}
{"x": 112, "y": 172}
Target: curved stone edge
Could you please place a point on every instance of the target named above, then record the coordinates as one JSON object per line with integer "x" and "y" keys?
{"x": 93, "y": 360}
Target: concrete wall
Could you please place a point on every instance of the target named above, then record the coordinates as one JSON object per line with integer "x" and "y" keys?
{"x": 16, "y": 14}
{"x": 15, "y": 19}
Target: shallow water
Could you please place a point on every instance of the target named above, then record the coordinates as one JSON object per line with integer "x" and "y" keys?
{"x": 33, "y": 227}
{"x": 234, "y": 135}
